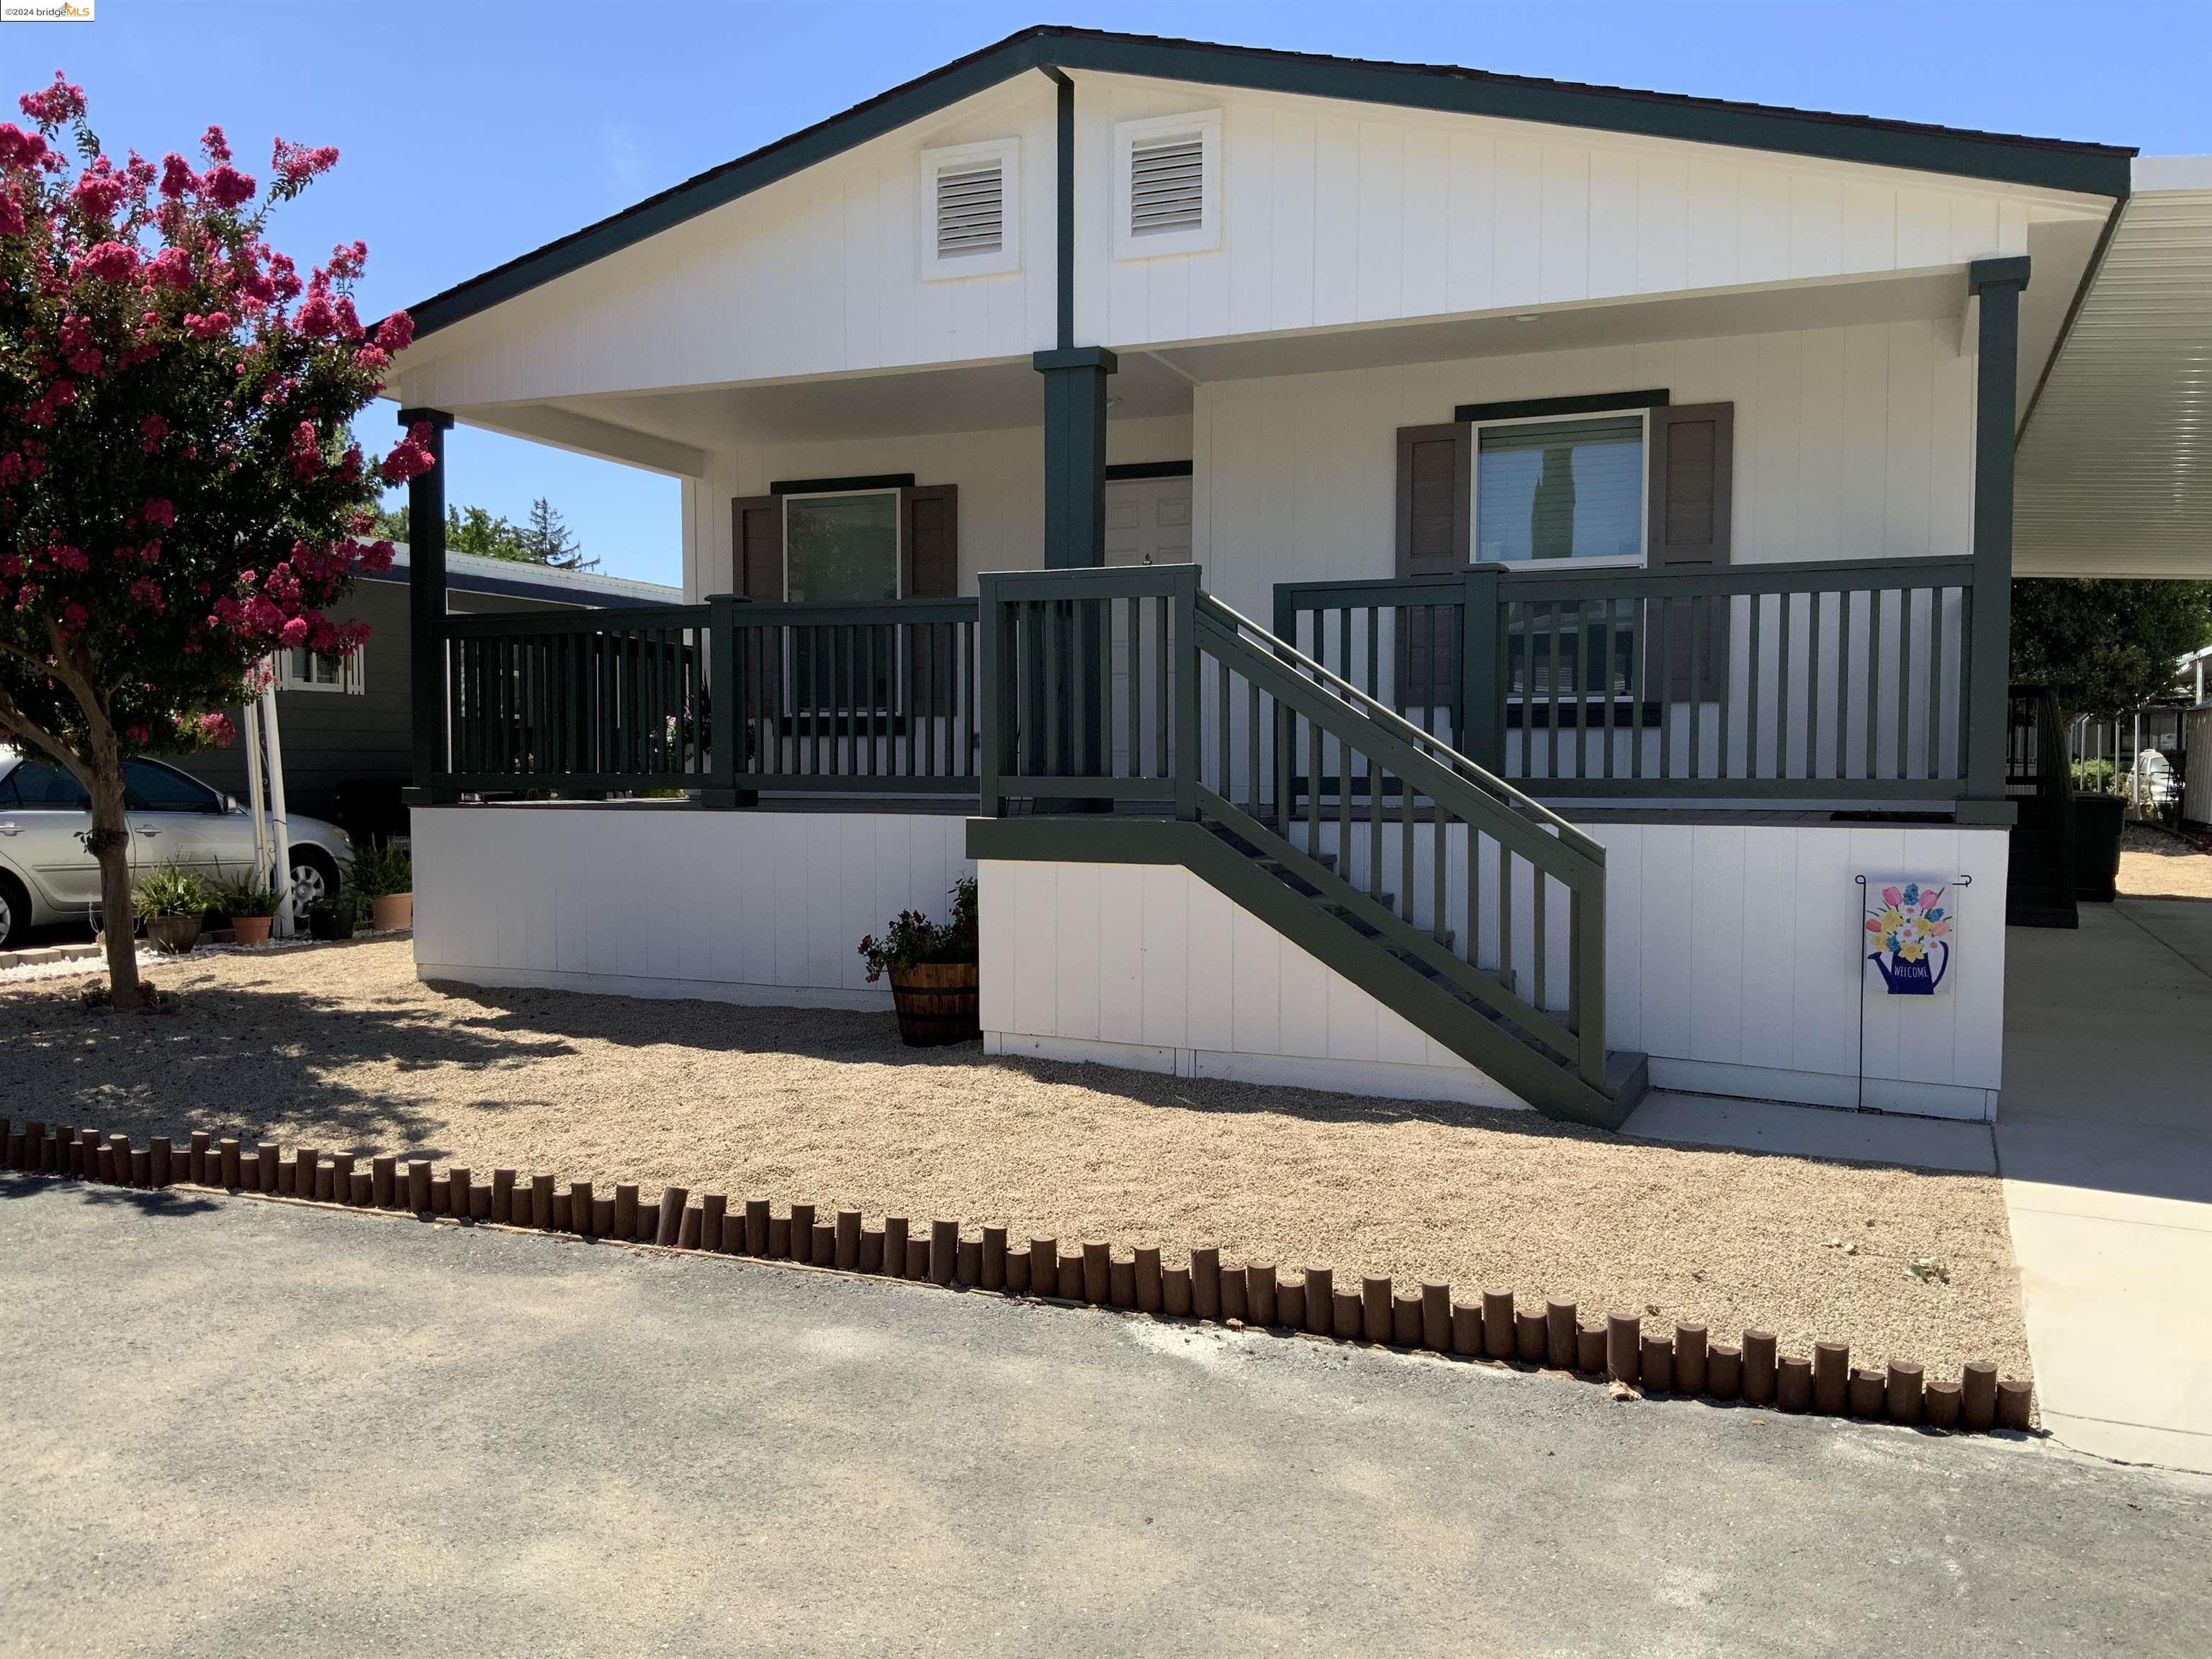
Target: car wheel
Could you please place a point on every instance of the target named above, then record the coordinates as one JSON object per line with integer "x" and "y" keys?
{"x": 15, "y": 913}
{"x": 314, "y": 878}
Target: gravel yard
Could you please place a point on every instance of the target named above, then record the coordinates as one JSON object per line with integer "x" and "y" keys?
{"x": 340, "y": 1047}
{"x": 2155, "y": 864}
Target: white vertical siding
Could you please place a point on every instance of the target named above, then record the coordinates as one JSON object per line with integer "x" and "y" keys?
{"x": 744, "y": 907}
{"x": 1000, "y": 475}
{"x": 1850, "y": 443}
{"x": 1335, "y": 213}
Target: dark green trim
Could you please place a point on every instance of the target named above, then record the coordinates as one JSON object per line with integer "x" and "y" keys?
{"x": 2056, "y": 164}
{"x": 1074, "y": 455}
{"x": 1997, "y": 284}
{"x": 2089, "y": 273}
{"x": 1530, "y": 408}
{"x": 426, "y": 599}
{"x": 1075, "y": 358}
{"x": 1551, "y": 1089}
{"x": 831, "y": 486}
{"x": 1064, "y": 202}
{"x": 1121, "y": 471}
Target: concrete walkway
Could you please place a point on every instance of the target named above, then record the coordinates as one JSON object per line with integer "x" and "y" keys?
{"x": 251, "y": 1429}
{"x": 2104, "y": 1138}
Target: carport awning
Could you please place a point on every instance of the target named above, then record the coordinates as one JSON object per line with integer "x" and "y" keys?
{"x": 2115, "y": 463}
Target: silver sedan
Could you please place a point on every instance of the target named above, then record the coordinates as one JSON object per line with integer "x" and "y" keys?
{"x": 47, "y": 876}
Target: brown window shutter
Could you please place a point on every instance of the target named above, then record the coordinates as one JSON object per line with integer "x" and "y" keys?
{"x": 930, "y": 541}
{"x": 1436, "y": 504}
{"x": 756, "y": 547}
{"x": 929, "y": 553}
{"x": 1692, "y": 468}
{"x": 757, "y": 561}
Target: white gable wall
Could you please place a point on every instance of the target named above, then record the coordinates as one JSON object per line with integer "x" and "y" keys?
{"x": 1851, "y": 443}
{"x": 1334, "y": 213}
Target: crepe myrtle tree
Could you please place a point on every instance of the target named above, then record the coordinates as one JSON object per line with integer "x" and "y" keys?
{"x": 180, "y": 494}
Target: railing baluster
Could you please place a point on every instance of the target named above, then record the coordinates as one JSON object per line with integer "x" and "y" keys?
{"x": 1696, "y": 684}
{"x": 1905, "y": 682}
{"x": 1813, "y": 698}
{"x": 1873, "y": 681}
{"x": 1783, "y": 765}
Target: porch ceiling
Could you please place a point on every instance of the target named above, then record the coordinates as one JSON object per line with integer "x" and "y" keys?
{"x": 2115, "y": 463}
{"x": 972, "y": 398}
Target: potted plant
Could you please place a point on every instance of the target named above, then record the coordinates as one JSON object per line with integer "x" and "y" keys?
{"x": 252, "y": 908}
{"x": 384, "y": 874}
{"x": 334, "y": 917}
{"x": 933, "y": 972}
{"x": 2100, "y": 814}
{"x": 171, "y": 903}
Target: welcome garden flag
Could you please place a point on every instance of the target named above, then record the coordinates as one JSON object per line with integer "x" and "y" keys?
{"x": 1908, "y": 936}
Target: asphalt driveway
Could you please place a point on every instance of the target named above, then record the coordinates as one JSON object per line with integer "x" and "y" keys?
{"x": 245, "y": 1428}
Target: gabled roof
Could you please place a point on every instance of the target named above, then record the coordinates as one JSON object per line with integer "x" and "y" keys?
{"x": 2052, "y": 163}
{"x": 469, "y": 573}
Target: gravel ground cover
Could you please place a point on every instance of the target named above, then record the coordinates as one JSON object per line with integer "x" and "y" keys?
{"x": 340, "y": 1047}
{"x": 2156, "y": 865}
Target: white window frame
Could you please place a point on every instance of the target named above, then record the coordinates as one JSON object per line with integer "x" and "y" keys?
{"x": 1636, "y": 561}
{"x": 1205, "y": 125}
{"x": 936, "y": 268}
{"x": 351, "y": 678}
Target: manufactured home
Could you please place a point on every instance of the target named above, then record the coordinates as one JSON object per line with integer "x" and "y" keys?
{"x": 1397, "y": 579}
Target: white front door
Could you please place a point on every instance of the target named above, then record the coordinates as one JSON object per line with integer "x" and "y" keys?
{"x": 1148, "y": 521}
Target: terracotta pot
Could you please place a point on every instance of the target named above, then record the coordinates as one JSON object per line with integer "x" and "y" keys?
{"x": 937, "y": 1004}
{"x": 173, "y": 935}
{"x": 249, "y": 930}
{"x": 393, "y": 910}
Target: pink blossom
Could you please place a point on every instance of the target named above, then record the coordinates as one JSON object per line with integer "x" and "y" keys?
{"x": 213, "y": 326}
{"x": 371, "y": 359}
{"x": 411, "y": 456}
{"x": 297, "y": 163}
{"x": 63, "y": 393}
{"x": 152, "y": 429}
{"x": 19, "y": 149}
{"x": 158, "y": 511}
{"x": 177, "y": 179}
{"x": 396, "y": 332}
{"x": 318, "y": 318}
{"x": 147, "y": 593}
{"x": 86, "y": 359}
{"x": 63, "y": 557}
{"x": 111, "y": 262}
{"x": 171, "y": 268}
{"x": 213, "y": 145}
{"x": 75, "y": 616}
{"x": 98, "y": 194}
{"x": 217, "y": 731}
{"x": 11, "y": 213}
{"x": 56, "y": 104}
{"x": 227, "y": 187}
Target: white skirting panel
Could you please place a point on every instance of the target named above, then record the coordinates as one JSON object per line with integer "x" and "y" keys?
{"x": 1149, "y": 968}
{"x": 754, "y": 907}
{"x": 1733, "y": 959}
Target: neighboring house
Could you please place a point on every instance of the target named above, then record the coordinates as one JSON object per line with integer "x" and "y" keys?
{"x": 346, "y": 724}
{"x": 1418, "y": 582}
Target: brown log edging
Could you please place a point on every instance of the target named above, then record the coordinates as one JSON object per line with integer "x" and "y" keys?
{"x": 1500, "y": 1327}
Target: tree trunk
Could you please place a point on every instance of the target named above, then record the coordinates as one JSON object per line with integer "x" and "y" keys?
{"x": 110, "y": 842}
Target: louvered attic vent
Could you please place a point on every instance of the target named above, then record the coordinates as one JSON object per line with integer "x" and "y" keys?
{"x": 1167, "y": 185}
{"x": 971, "y": 209}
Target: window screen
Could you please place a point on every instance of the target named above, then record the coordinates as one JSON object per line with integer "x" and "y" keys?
{"x": 841, "y": 550}
{"x": 1560, "y": 489}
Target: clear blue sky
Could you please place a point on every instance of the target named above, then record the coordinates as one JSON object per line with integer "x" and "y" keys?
{"x": 472, "y": 131}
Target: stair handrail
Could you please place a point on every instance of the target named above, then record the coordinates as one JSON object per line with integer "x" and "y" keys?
{"x": 1426, "y": 743}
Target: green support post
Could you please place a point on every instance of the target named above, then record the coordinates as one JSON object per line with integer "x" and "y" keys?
{"x": 426, "y": 610}
{"x": 1481, "y": 731}
{"x": 726, "y": 714}
{"x": 1996, "y": 283}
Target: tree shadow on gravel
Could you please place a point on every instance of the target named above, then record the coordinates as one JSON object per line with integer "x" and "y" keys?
{"x": 850, "y": 1037}
{"x": 249, "y": 1061}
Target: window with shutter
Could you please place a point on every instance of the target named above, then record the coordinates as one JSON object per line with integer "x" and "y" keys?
{"x": 1167, "y": 186}
{"x": 971, "y": 209}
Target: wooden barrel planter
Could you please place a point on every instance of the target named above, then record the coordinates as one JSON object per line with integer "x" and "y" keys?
{"x": 937, "y": 1004}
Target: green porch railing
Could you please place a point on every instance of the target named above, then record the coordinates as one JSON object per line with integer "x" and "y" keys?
{"x": 1832, "y": 680}
{"x": 725, "y": 698}
{"x": 1134, "y": 687}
